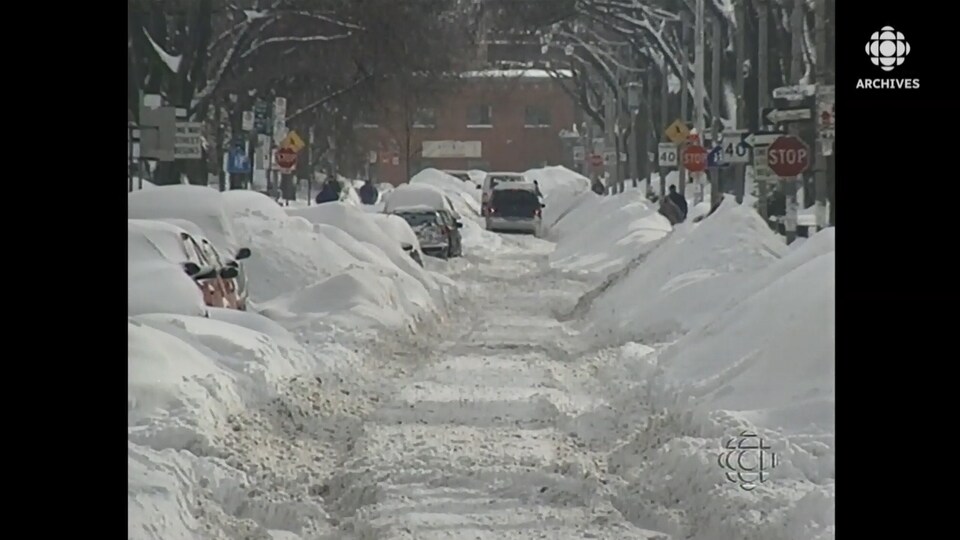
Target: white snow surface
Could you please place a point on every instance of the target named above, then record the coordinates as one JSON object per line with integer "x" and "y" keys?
{"x": 577, "y": 386}
{"x": 156, "y": 280}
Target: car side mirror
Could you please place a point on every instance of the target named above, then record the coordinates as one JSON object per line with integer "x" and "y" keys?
{"x": 229, "y": 272}
{"x": 479, "y": 187}
{"x": 191, "y": 268}
{"x": 242, "y": 253}
{"x": 542, "y": 205}
{"x": 459, "y": 224}
{"x": 406, "y": 246}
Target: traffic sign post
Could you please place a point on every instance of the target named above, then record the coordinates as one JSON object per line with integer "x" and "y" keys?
{"x": 788, "y": 156}
{"x": 715, "y": 158}
{"x": 677, "y": 132}
{"x": 796, "y": 92}
{"x": 238, "y": 161}
{"x": 760, "y": 142}
{"x": 735, "y": 150}
{"x": 786, "y": 115}
{"x": 826, "y": 118}
{"x": 695, "y": 158}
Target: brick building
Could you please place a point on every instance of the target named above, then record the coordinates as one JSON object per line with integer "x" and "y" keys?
{"x": 504, "y": 120}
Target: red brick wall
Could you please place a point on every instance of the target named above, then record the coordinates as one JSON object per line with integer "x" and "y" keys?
{"x": 506, "y": 146}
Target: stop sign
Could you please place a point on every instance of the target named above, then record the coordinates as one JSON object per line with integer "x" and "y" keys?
{"x": 695, "y": 158}
{"x": 286, "y": 158}
{"x": 788, "y": 156}
{"x": 596, "y": 160}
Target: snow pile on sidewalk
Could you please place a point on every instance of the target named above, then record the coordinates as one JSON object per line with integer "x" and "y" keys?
{"x": 694, "y": 275}
{"x": 602, "y": 234}
{"x": 765, "y": 368}
{"x": 561, "y": 190}
{"x": 189, "y": 379}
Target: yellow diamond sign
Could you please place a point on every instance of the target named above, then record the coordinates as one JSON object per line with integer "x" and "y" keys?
{"x": 293, "y": 142}
{"x": 677, "y": 132}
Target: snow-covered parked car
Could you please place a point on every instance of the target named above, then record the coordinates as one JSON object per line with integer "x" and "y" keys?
{"x": 169, "y": 272}
{"x": 431, "y": 215}
{"x": 398, "y": 229}
{"x": 203, "y": 213}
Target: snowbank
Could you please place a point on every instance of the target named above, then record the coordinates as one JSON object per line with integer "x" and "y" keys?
{"x": 200, "y": 205}
{"x": 156, "y": 281}
{"x": 687, "y": 280}
{"x": 602, "y": 234}
{"x": 764, "y": 365}
{"x": 561, "y": 189}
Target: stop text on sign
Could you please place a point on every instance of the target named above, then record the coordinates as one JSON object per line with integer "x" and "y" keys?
{"x": 791, "y": 156}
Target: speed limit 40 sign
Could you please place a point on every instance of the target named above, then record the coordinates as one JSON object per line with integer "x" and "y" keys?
{"x": 668, "y": 155}
{"x": 735, "y": 150}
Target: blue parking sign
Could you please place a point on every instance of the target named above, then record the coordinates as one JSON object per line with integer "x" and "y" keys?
{"x": 238, "y": 162}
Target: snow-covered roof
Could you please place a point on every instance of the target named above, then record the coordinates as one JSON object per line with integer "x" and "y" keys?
{"x": 519, "y": 186}
{"x": 414, "y": 209}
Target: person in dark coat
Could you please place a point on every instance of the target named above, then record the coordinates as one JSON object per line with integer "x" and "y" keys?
{"x": 368, "y": 193}
{"x": 598, "y": 186}
{"x": 536, "y": 189}
{"x": 670, "y": 211}
{"x": 288, "y": 189}
{"x": 678, "y": 199}
{"x": 330, "y": 192}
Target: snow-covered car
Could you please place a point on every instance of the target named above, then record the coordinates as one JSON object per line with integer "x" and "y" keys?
{"x": 437, "y": 232}
{"x": 491, "y": 181}
{"x": 410, "y": 197}
{"x": 203, "y": 213}
{"x": 154, "y": 250}
{"x": 460, "y": 175}
{"x": 397, "y": 228}
{"x": 514, "y": 206}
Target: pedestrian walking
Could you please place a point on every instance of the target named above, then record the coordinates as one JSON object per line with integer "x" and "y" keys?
{"x": 679, "y": 200}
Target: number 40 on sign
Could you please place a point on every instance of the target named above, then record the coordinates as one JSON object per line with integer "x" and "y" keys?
{"x": 735, "y": 150}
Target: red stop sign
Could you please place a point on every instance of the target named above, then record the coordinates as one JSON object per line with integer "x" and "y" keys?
{"x": 788, "y": 156}
{"x": 695, "y": 158}
{"x": 596, "y": 160}
{"x": 286, "y": 158}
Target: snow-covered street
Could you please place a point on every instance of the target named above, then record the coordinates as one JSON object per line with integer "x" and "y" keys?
{"x": 579, "y": 385}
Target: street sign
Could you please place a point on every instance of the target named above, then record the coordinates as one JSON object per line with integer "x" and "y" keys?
{"x": 715, "y": 157}
{"x": 667, "y": 154}
{"x": 735, "y": 150}
{"x": 280, "y": 108}
{"x": 788, "y": 156}
{"x": 677, "y": 132}
{"x": 695, "y": 158}
{"x": 579, "y": 153}
{"x": 262, "y": 159}
{"x": 188, "y": 143}
{"x": 238, "y": 162}
{"x": 286, "y": 159}
{"x": 794, "y": 92}
{"x": 262, "y": 119}
{"x": 248, "y": 121}
{"x": 789, "y": 114}
{"x": 609, "y": 157}
{"x": 596, "y": 160}
{"x": 760, "y": 141}
{"x": 826, "y": 115}
{"x": 292, "y": 140}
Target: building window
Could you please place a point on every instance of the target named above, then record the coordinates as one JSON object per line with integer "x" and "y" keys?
{"x": 366, "y": 118}
{"x": 536, "y": 116}
{"x": 425, "y": 117}
{"x": 480, "y": 116}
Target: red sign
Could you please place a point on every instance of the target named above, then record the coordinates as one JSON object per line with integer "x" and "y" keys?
{"x": 596, "y": 160}
{"x": 286, "y": 158}
{"x": 788, "y": 156}
{"x": 695, "y": 158}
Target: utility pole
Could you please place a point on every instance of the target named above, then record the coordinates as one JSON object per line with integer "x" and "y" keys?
{"x": 684, "y": 100}
{"x": 698, "y": 72}
{"x": 218, "y": 135}
{"x": 763, "y": 89}
{"x": 739, "y": 170}
{"x": 796, "y": 35}
{"x": 820, "y": 158}
{"x": 715, "y": 100}
{"x": 646, "y": 129}
{"x": 610, "y": 136}
{"x": 664, "y": 122}
{"x": 633, "y": 103}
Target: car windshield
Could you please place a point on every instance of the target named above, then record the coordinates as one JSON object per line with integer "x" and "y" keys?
{"x": 515, "y": 198}
{"x": 494, "y": 180}
{"x": 416, "y": 219}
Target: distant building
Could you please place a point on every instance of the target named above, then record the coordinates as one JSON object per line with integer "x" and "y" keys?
{"x": 504, "y": 120}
